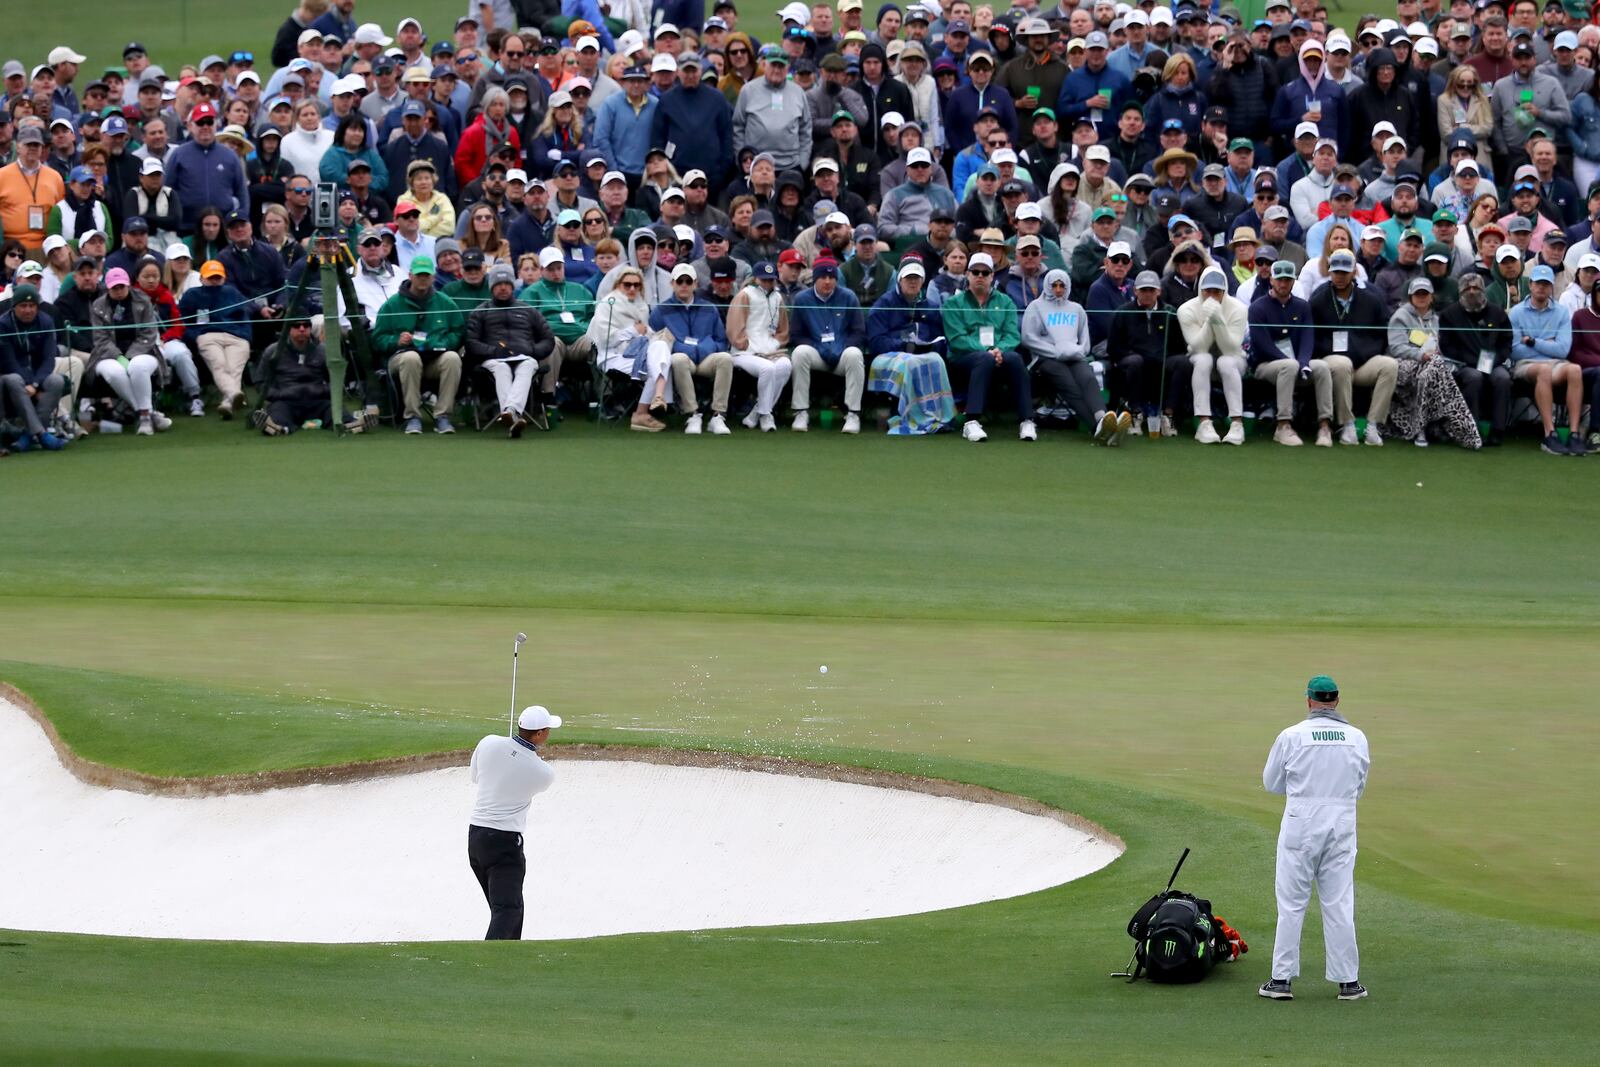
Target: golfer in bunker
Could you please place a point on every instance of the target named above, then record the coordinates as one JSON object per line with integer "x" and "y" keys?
{"x": 508, "y": 771}
{"x": 1320, "y": 764}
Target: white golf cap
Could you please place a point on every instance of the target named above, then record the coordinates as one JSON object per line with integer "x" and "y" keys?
{"x": 1135, "y": 17}
{"x": 537, "y": 717}
{"x": 982, "y": 259}
{"x": 152, "y": 165}
{"x": 673, "y": 193}
{"x": 408, "y": 21}
{"x": 1589, "y": 259}
{"x": 1161, "y": 16}
{"x": 1001, "y": 155}
{"x": 252, "y": 76}
{"x": 1029, "y": 210}
{"x": 53, "y": 242}
{"x": 667, "y": 27}
{"x": 1417, "y": 29}
{"x": 1384, "y": 127}
{"x": 892, "y": 118}
{"x": 1307, "y": 129}
{"x": 372, "y": 33}
{"x": 683, "y": 233}
{"x": 836, "y": 217}
{"x": 1119, "y": 248}
{"x": 517, "y": 174}
{"x": 795, "y": 13}
{"x": 630, "y": 42}
{"x": 588, "y": 44}
{"x": 560, "y": 98}
{"x": 918, "y": 155}
{"x": 1394, "y": 142}
{"x": 1374, "y": 233}
{"x": 695, "y": 176}
{"x": 1467, "y": 164}
{"x": 1097, "y": 153}
{"x": 550, "y": 254}
{"x": 1338, "y": 42}
{"x": 914, "y": 267}
{"x": 176, "y": 250}
{"x": 614, "y": 176}
{"x": 1427, "y": 47}
{"x": 663, "y": 61}
{"x": 823, "y": 163}
{"x": 1508, "y": 251}
{"x": 62, "y": 54}
{"x": 350, "y": 83}
{"x": 1385, "y": 25}
{"x": 683, "y": 270}
{"x": 308, "y": 35}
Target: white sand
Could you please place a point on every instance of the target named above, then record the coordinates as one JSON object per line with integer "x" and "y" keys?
{"x": 613, "y": 848}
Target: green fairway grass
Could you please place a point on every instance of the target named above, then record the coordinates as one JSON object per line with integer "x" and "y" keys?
{"x": 1117, "y": 633}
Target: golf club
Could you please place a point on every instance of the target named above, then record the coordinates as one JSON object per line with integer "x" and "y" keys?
{"x": 516, "y": 647}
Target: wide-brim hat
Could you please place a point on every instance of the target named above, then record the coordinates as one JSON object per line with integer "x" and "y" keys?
{"x": 1174, "y": 155}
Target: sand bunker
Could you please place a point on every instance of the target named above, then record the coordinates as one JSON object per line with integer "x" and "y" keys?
{"x": 614, "y": 847}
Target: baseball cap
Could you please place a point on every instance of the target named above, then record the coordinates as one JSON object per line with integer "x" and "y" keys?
{"x": 789, "y": 257}
{"x": 684, "y": 270}
{"x": 1098, "y": 153}
{"x": 1214, "y": 279}
{"x": 536, "y": 717}
{"x": 910, "y": 267}
{"x": 1507, "y": 252}
{"x": 1307, "y": 129}
{"x": 422, "y": 265}
{"x": 549, "y": 255}
{"x": 1147, "y": 279}
{"x": 213, "y": 269}
{"x": 1519, "y": 224}
{"x": 1103, "y": 213}
{"x": 722, "y": 267}
{"x": 1029, "y": 210}
{"x": 136, "y": 224}
{"x": 1283, "y": 268}
{"x": 762, "y": 218}
{"x": 470, "y": 257}
{"x": 1343, "y": 259}
{"x": 918, "y": 155}
{"x": 1340, "y": 191}
{"x": 1115, "y": 248}
{"x": 764, "y": 271}
{"x": 982, "y": 259}
{"x": 1423, "y": 285}
{"x": 116, "y": 276}
{"x": 1096, "y": 39}
{"x": 1322, "y": 688}
{"x": 1542, "y": 273}
{"x": 866, "y": 232}
{"x": 1275, "y": 212}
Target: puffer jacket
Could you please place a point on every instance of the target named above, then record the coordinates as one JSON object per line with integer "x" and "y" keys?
{"x": 1056, "y": 328}
{"x": 1247, "y": 91}
{"x": 299, "y": 376}
{"x": 122, "y": 329}
{"x": 1188, "y": 105}
{"x": 509, "y": 327}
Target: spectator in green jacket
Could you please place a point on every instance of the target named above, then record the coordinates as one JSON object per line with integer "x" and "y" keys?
{"x": 421, "y": 330}
{"x": 472, "y": 288}
{"x": 567, "y": 307}
{"x": 982, "y": 330}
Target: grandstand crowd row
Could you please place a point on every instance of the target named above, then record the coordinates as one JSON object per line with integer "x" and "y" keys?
{"x": 1134, "y": 218}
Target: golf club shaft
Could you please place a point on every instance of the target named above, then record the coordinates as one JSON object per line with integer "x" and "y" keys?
{"x": 512, "y": 730}
{"x": 1175, "y": 870}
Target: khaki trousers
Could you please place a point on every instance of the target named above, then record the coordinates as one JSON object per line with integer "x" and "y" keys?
{"x": 1378, "y": 372}
{"x": 410, "y": 368}
{"x": 226, "y": 355}
{"x": 718, "y": 367}
{"x": 1284, "y": 374}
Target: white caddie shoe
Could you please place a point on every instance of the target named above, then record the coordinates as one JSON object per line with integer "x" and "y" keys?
{"x": 751, "y": 421}
{"x": 694, "y": 425}
{"x": 972, "y": 431}
{"x": 1207, "y": 433}
{"x": 802, "y": 422}
{"x": 1168, "y": 428}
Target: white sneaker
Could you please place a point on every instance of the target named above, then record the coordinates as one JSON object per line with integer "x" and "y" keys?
{"x": 719, "y": 426}
{"x": 1207, "y": 433}
{"x": 972, "y": 431}
{"x": 802, "y": 422}
{"x": 197, "y": 407}
{"x": 1374, "y": 438}
{"x": 694, "y": 425}
{"x": 852, "y": 423}
{"x": 1324, "y": 437}
{"x": 751, "y": 421}
{"x": 768, "y": 424}
{"x": 1235, "y": 433}
{"x": 1347, "y": 434}
{"x": 1285, "y": 435}
{"x": 162, "y": 423}
{"x": 145, "y": 428}
{"x": 1167, "y": 427}
{"x": 1028, "y": 431}
{"x": 1421, "y": 440}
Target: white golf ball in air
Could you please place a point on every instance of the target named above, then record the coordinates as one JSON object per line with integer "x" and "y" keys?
{"x": 823, "y": 669}
{"x": 1419, "y": 485}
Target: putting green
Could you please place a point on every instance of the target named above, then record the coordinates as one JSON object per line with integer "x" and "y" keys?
{"x": 1120, "y": 634}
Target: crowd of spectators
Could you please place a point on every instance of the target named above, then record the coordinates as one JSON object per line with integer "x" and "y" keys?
{"x": 1122, "y": 216}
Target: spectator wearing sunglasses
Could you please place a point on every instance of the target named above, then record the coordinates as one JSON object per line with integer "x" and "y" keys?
{"x": 981, "y": 325}
{"x": 206, "y": 173}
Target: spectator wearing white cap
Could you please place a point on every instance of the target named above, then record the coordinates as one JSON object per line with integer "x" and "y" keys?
{"x": 772, "y": 116}
{"x": 983, "y": 332}
{"x": 1214, "y": 326}
{"x": 568, "y": 308}
{"x": 508, "y": 773}
{"x": 908, "y": 208}
{"x": 152, "y": 201}
{"x": 699, "y": 350}
{"x": 758, "y": 336}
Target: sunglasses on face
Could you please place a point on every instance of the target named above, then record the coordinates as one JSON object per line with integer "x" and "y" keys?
{"x": 979, "y": 272}
{"x": 518, "y": 54}
{"x": 569, "y": 225}
{"x": 409, "y": 215}
{"x": 1121, "y": 259}
{"x": 594, "y": 222}
{"x": 300, "y": 189}
{"x": 1029, "y": 253}
{"x": 684, "y": 281}
{"x": 578, "y": 94}
{"x": 205, "y": 122}
{"x": 631, "y": 285}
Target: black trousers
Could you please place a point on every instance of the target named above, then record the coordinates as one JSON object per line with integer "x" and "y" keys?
{"x": 1498, "y": 383}
{"x": 499, "y": 864}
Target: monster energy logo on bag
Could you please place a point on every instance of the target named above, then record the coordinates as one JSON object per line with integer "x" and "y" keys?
{"x": 1169, "y": 946}
{"x": 1327, "y": 735}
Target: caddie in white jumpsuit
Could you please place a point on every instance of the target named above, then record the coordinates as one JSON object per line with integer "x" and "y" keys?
{"x": 1320, "y": 764}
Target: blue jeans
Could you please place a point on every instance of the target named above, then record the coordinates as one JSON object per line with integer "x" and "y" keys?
{"x": 980, "y": 367}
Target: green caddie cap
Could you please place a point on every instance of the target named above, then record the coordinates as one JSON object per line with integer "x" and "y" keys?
{"x": 1102, "y": 213}
{"x": 1238, "y": 144}
{"x": 1322, "y": 688}
{"x": 421, "y": 265}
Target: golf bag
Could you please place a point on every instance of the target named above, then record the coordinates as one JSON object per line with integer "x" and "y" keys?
{"x": 1177, "y": 938}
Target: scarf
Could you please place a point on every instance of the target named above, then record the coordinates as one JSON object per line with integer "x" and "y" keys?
{"x": 1327, "y": 713}
{"x": 82, "y": 213}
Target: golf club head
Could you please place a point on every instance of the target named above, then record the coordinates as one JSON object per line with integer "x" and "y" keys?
{"x": 521, "y": 640}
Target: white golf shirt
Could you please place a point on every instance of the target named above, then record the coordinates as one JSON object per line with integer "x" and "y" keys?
{"x": 508, "y": 772}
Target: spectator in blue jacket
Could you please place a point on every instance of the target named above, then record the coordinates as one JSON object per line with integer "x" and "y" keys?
{"x": 1110, "y": 291}
{"x": 694, "y": 124}
{"x": 623, "y": 127}
{"x": 204, "y": 173}
{"x": 1313, "y": 97}
{"x": 972, "y": 99}
{"x": 827, "y": 331}
{"x": 1178, "y": 98}
{"x": 30, "y": 389}
{"x": 699, "y": 350}
{"x": 907, "y": 321}
{"x": 1541, "y": 338}
{"x": 217, "y": 318}
{"x": 1096, "y": 90}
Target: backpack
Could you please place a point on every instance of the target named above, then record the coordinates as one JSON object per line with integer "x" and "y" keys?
{"x": 1177, "y": 939}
